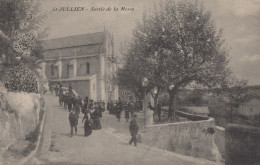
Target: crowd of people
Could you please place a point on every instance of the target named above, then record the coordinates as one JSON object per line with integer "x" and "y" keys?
{"x": 93, "y": 111}
{"x": 75, "y": 105}
{"x": 117, "y": 107}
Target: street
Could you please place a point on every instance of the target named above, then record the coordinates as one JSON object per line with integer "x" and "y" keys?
{"x": 108, "y": 146}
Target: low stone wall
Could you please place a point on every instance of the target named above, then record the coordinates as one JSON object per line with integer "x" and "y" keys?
{"x": 193, "y": 138}
{"x": 220, "y": 140}
{"x": 242, "y": 145}
{"x": 19, "y": 116}
{"x": 10, "y": 132}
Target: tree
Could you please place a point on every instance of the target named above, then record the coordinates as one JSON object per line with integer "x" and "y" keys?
{"x": 21, "y": 24}
{"x": 178, "y": 44}
{"x": 236, "y": 92}
{"x": 20, "y": 79}
{"x": 20, "y": 32}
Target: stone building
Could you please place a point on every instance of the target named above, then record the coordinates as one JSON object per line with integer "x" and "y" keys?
{"x": 86, "y": 61}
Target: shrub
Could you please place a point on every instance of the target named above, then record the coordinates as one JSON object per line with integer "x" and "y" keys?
{"x": 20, "y": 79}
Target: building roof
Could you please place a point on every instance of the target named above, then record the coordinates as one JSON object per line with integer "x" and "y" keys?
{"x": 78, "y": 78}
{"x": 77, "y": 40}
{"x": 201, "y": 110}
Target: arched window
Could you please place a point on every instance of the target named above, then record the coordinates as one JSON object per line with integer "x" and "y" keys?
{"x": 52, "y": 70}
{"x": 87, "y": 68}
{"x": 68, "y": 69}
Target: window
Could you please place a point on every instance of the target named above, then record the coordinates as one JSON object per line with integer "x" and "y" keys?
{"x": 68, "y": 69}
{"x": 87, "y": 68}
{"x": 52, "y": 70}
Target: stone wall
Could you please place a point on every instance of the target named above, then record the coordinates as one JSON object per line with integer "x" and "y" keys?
{"x": 220, "y": 140}
{"x": 19, "y": 116}
{"x": 10, "y": 132}
{"x": 193, "y": 138}
{"x": 242, "y": 145}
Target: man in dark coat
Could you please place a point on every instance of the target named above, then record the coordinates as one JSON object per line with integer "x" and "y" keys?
{"x": 60, "y": 95}
{"x": 133, "y": 127}
{"x": 127, "y": 109}
{"x": 69, "y": 102}
{"x": 56, "y": 89}
{"x": 73, "y": 119}
{"x": 76, "y": 104}
{"x": 131, "y": 109}
{"x": 118, "y": 110}
{"x": 70, "y": 89}
{"x": 85, "y": 105}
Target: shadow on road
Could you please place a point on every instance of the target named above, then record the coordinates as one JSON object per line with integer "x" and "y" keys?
{"x": 65, "y": 134}
{"x": 124, "y": 144}
{"x": 64, "y": 163}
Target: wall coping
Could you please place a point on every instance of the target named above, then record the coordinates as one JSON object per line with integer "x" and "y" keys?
{"x": 220, "y": 128}
{"x": 179, "y": 123}
{"x": 243, "y": 128}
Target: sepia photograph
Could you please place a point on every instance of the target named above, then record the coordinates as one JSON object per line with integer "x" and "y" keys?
{"x": 129, "y": 82}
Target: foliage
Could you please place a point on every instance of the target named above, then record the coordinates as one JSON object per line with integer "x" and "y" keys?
{"x": 235, "y": 93}
{"x": 21, "y": 24}
{"x": 175, "y": 45}
{"x": 191, "y": 98}
{"x": 19, "y": 79}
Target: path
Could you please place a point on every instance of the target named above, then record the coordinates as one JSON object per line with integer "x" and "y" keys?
{"x": 102, "y": 147}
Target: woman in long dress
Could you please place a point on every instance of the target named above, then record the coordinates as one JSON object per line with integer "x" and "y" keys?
{"x": 96, "y": 124}
{"x": 87, "y": 124}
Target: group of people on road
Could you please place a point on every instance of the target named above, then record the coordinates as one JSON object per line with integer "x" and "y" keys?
{"x": 117, "y": 107}
{"x": 92, "y": 110}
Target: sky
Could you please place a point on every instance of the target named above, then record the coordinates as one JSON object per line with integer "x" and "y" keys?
{"x": 239, "y": 19}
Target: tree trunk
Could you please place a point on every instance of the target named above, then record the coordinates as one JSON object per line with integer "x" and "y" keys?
{"x": 171, "y": 111}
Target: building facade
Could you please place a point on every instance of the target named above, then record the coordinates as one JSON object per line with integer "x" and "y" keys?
{"x": 87, "y": 62}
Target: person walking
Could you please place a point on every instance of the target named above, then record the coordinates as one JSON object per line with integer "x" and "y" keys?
{"x": 118, "y": 110}
{"x": 133, "y": 128}
{"x": 87, "y": 124}
{"x": 60, "y": 95}
{"x": 85, "y": 105}
{"x": 131, "y": 109}
{"x": 56, "y": 89}
{"x": 70, "y": 89}
{"x": 73, "y": 119}
{"x": 96, "y": 115}
{"x": 127, "y": 109}
{"x": 69, "y": 101}
{"x": 76, "y": 104}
